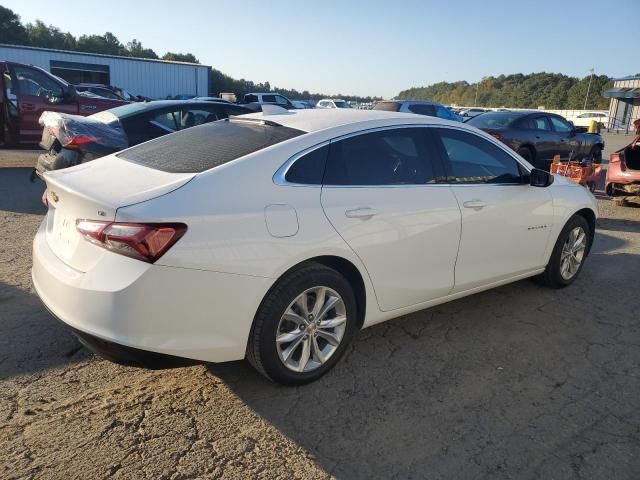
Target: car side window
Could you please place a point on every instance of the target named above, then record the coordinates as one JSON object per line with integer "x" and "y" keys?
{"x": 280, "y": 100}
{"x": 33, "y": 82}
{"x": 472, "y": 159}
{"x": 442, "y": 112}
{"x": 165, "y": 120}
{"x": 387, "y": 157}
{"x": 560, "y": 126}
{"x": 428, "y": 110}
{"x": 269, "y": 98}
{"x": 191, "y": 117}
{"x": 250, "y": 98}
{"x": 538, "y": 123}
{"x": 309, "y": 169}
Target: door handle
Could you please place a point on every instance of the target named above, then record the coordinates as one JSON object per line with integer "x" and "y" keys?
{"x": 475, "y": 204}
{"x": 364, "y": 213}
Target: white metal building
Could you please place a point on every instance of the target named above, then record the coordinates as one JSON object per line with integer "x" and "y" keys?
{"x": 625, "y": 102}
{"x": 140, "y": 76}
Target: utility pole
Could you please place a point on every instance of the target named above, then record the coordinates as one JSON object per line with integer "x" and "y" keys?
{"x": 475, "y": 103}
{"x": 588, "y": 88}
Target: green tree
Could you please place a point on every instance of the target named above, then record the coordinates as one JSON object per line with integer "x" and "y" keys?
{"x": 47, "y": 36}
{"x": 106, "y": 44}
{"x": 180, "y": 57}
{"x": 11, "y": 29}
{"x": 135, "y": 49}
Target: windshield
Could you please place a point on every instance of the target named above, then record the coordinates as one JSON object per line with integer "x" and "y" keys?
{"x": 494, "y": 119}
{"x": 341, "y": 104}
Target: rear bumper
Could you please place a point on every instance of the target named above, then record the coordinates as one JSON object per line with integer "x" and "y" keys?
{"x": 122, "y": 306}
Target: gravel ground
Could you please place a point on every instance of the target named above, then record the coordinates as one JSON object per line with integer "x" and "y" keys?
{"x": 517, "y": 382}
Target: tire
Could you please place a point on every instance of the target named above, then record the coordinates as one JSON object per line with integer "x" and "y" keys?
{"x": 554, "y": 275}
{"x": 268, "y": 356}
{"x": 596, "y": 154}
{"x": 527, "y": 154}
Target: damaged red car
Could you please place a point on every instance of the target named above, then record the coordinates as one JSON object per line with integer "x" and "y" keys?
{"x": 623, "y": 173}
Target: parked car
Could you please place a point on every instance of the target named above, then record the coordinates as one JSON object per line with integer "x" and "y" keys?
{"x": 108, "y": 91}
{"x": 27, "y": 91}
{"x": 301, "y": 104}
{"x": 209, "y": 99}
{"x": 202, "y": 245}
{"x": 254, "y": 101}
{"x": 539, "y": 136}
{"x": 623, "y": 171}
{"x": 584, "y": 119}
{"x": 70, "y": 139}
{"x": 421, "y": 107}
{"x": 472, "y": 112}
{"x": 333, "y": 103}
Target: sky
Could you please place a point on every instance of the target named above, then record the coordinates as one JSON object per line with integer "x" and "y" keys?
{"x": 366, "y": 47}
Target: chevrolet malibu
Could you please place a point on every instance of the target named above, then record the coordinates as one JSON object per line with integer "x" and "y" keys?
{"x": 275, "y": 236}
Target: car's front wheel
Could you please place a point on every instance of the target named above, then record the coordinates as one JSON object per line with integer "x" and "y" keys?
{"x": 569, "y": 254}
{"x": 303, "y": 325}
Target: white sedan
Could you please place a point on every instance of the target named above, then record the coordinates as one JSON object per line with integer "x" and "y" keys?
{"x": 276, "y": 237}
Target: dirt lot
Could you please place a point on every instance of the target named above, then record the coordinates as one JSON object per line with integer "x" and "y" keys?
{"x": 518, "y": 382}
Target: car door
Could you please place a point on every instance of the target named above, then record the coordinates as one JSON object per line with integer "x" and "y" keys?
{"x": 505, "y": 221}
{"x": 36, "y": 92}
{"x": 569, "y": 145}
{"x": 380, "y": 193}
{"x": 537, "y": 130}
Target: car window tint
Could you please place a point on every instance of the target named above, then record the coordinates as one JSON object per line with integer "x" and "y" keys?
{"x": 387, "y": 157}
{"x": 280, "y": 100}
{"x": 190, "y": 117}
{"x": 538, "y": 123}
{"x": 250, "y": 98}
{"x": 560, "y": 125}
{"x": 442, "y": 112}
{"x": 166, "y": 120}
{"x": 309, "y": 168}
{"x": 269, "y": 98}
{"x": 423, "y": 110}
{"x": 473, "y": 159}
{"x": 36, "y": 83}
{"x": 200, "y": 148}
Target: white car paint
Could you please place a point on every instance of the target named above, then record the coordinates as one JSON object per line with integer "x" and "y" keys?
{"x": 246, "y": 229}
{"x": 584, "y": 119}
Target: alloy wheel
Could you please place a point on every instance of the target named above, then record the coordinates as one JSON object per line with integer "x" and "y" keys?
{"x": 573, "y": 253}
{"x": 311, "y": 329}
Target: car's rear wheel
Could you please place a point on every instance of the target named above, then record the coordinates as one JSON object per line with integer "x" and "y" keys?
{"x": 596, "y": 154}
{"x": 527, "y": 154}
{"x": 303, "y": 325}
{"x": 569, "y": 254}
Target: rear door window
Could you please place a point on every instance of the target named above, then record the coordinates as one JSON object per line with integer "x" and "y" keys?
{"x": 472, "y": 159}
{"x": 396, "y": 156}
{"x": 269, "y": 98}
{"x": 428, "y": 110}
{"x": 308, "y": 169}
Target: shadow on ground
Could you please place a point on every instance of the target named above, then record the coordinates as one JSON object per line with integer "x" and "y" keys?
{"x": 508, "y": 382}
{"x": 31, "y": 340}
{"x": 18, "y": 194}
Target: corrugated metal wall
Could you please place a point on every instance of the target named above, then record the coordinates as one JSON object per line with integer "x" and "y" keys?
{"x": 152, "y": 79}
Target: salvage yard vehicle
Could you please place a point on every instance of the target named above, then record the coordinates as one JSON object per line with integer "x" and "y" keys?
{"x": 538, "y": 137}
{"x": 585, "y": 119}
{"x": 333, "y": 103}
{"x": 623, "y": 172}
{"x": 27, "y": 91}
{"x": 276, "y": 237}
{"x": 421, "y": 107}
{"x": 254, "y": 101}
{"x": 71, "y": 139}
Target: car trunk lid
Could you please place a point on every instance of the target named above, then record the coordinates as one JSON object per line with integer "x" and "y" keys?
{"x": 95, "y": 191}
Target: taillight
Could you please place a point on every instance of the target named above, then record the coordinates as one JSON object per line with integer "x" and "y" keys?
{"x": 142, "y": 241}
{"x": 75, "y": 142}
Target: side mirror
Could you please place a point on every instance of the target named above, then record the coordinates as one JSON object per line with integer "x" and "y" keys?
{"x": 540, "y": 178}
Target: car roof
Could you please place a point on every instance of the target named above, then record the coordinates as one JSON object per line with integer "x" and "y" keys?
{"x": 313, "y": 120}
{"x": 415, "y": 102}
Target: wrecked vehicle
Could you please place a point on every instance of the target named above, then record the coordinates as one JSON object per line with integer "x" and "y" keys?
{"x": 623, "y": 173}
{"x": 71, "y": 139}
{"x": 27, "y": 91}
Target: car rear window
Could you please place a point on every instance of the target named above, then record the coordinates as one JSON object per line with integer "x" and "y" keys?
{"x": 206, "y": 146}
{"x": 387, "y": 106}
{"x": 494, "y": 119}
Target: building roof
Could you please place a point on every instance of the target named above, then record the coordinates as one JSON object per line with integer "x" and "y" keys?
{"x": 628, "y": 77}
{"x": 312, "y": 120}
{"x": 72, "y": 52}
